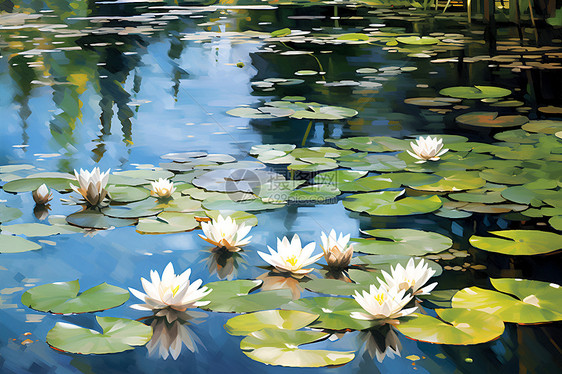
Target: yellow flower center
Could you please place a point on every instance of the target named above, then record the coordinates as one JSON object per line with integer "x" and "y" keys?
{"x": 292, "y": 260}
{"x": 175, "y": 290}
{"x": 380, "y": 298}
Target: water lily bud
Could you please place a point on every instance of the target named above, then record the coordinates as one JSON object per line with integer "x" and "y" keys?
{"x": 42, "y": 195}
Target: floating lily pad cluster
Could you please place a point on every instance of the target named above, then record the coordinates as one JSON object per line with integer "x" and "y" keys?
{"x": 291, "y": 108}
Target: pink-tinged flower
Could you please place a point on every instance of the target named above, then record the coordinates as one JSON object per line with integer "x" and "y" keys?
{"x": 336, "y": 251}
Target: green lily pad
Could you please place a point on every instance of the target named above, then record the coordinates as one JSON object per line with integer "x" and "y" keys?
{"x": 31, "y": 229}
{"x": 246, "y": 205}
{"x": 360, "y": 143}
{"x": 370, "y": 162}
{"x": 522, "y": 195}
{"x": 386, "y": 203}
{"x": 451, "y": 213}
{"x": 181, "y": 204}
{"x": 281, "y": 338}
{"x": 455, "y": 326}
{"x": 279, "y": 319}
{"x": 312, "y": 164}
{"x": 386, "y": 261}
{"x": 454, "y": 181}
{"x": 31, "y": 184}
{"x": 412, "y": 179}
{"x": 325, "y": 112}
{"x": 543, "y": 126}
{"x": 331, "y": 287}
{"x": 511, "y": 175}
{"x": 280, "y": 347}
{"x": 475, "y": 92}
{"x": 240, "y": 217}
{"x": 14, "y": 168}
{"x": 491, "y": 119}
{"x": 402, "y": 242}
{"x": 119, "y": 334}
{"x": 519, "y": 300}
{"x": 8, "y": 214}
{"x": 478, "y": 196}
{"x": 416, "y": 40}
{"x": 334, "y": 312}
{"x": 94, "y": 219}
{"x": 338, "y": 178}
{"x": 15, "y": 244}
{"x": 63, "y": 298}
{"x": 556, "y": 222}
{"x": 353, "y": 37}
{"x": 317, "y": 193}
{"x": 518, "y": 242}
{"x": 144, "y": 208}
{"x": 167, "y": 223}
{"x": 282, "y": 32}
{"x": 127, "y": 194}
{"x": 225, "y": 290}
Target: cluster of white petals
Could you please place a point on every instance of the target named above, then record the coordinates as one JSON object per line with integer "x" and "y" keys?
{"x": 172, "y": 291}
{"x": 398, "y": 288}
{"x": 226, "y": 233}
{"x": 382, "y": 303}
{"x": 427, "y": 149}
{"x": 162, "y": 188}
{"x": 337, "y": 252}
{"x": 42, "y": 195}
{"x": 291, "y": 256}
{"x": 92, "y": 185}
{"x": 410, "y": 278}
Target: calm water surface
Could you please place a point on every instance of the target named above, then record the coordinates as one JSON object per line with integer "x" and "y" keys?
{"x": 120, "y": 92}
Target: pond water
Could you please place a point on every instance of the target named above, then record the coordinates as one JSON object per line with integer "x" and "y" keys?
{"x": 124, "y": 84}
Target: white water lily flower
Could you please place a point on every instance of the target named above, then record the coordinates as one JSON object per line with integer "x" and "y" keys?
{"x": 162, "y": 188}
{"x": 291, "y": 256}
{"x": 42, "y": 195}
{"x": 336, "y": 251}
{"x": 92, "y": 185}
{"x": 173, "y": 291}
{"x": 226, "y": 233}
{"x": 412, "y": 277}
{"x": 427, "y": 149}
{"x": 382, "y": 303}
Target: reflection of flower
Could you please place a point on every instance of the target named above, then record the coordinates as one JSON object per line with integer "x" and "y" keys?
{"x": 277, "y": 281}
{"x": 412, "y": 277}
{"x": 162, "y": 188}
{"x": 291, "y": 256}
{"x": 174, "y": 291}
{"x": 224, "y": 263}
{"x": 42, "y": 195}
{"x": 383, "y": 303}
{"x": 41, "y": 211}
{"x": 170, "y": 331}
{"x": 336, "y": 251}
{"x": 226, "y": 233}
{"x": 427, "y": 149}
{"x": 92, "y": 185}
{"x": 381, "y": 341}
